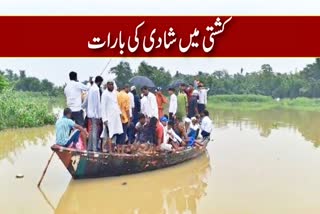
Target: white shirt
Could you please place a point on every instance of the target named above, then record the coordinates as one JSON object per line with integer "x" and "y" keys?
{"x": 173, "y": 105}
{"x": 110, "y": 112}
{"x": 144, "y": 102}
{"x": 203, "y": 96}
{"x": 93, "y": 108}
{"x": 173, "y": 135}
{"x": 131, "y": 100}
{"x": 206, "y": 124}
{"x": 73, "y": 92}
{"x": 149, "y": 105}
{"x": 131, "y": 103}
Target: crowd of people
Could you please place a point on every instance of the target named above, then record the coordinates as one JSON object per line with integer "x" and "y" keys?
{"x": 101, "y": 117}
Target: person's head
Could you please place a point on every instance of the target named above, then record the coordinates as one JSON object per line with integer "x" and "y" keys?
{"x": 126, "y": 88}
{"x": 170, "y": 125}
{"x": 166, "y": 116}
{"x": 187, "y": 120}
{"x": 183, "y": 86}
{"x": 98, "y": 80}
{"x": 153, "y": 121}
{"x": 110, "y": 86}
{"x": 204, "y": 113}
{"x": 164, "y": 121}
{"x": 171, "y": 91}
{"x": 67, "y": 113}
{"x": 73, "y": 76}
{"x": 133, "y": 90}
{"x": 194, "y": 120}
{"x": 145, "y": 90}
{"x": 158, "y": 90}
{"x": 142, "y": 118}
{"x": 191, "y": 86}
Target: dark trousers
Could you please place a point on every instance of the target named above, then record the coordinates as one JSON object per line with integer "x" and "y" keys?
{"x": 74, "y": 138}
{"x": 205, "y": 134}
{"x": 121, "y": 138}
{"x": 130, "y": 132}
{"x": 77, "y": 117}
{"x": 201, "y": 107}
{"x": 171, "y": 117}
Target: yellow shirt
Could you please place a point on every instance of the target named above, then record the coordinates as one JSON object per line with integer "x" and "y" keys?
{"x": 124, "y": 104}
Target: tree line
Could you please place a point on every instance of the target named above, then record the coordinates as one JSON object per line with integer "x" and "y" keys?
{"x": 21, "y": 82}
{"x": 304, "y": 83}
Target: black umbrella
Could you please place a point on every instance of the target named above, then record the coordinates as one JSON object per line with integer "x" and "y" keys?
{"x": 176, "y": 83}
{"x": 141, "y": 81}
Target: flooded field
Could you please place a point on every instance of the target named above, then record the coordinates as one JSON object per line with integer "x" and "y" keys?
{"x": 259, "y": 162}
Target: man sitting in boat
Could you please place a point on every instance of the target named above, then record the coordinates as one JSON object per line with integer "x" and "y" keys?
{"x": 63, "y": 127}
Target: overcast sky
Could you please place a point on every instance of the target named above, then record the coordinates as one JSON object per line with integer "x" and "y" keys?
{"x": 57, "y": 69}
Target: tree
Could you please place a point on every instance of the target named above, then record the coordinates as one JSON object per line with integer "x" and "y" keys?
{"x": 3, "y": 82}
{"x": 123, "y": 73}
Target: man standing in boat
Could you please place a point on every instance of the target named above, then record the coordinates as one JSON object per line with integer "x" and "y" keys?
{"x": 73, "y": 92}
{"x": 110, "y": 113}
{"x": 94, "y": 115}
{"x": 182, "y": 100}
{"x": 161, "y": 101}
{"x": 151, "y": 106}
{"x": 124, "y": 105}
{"x": 173, "y": 105}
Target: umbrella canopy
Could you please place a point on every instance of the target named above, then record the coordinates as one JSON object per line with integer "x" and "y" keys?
{"x": 176, "y": 83}
{"x": 142, "y": 81}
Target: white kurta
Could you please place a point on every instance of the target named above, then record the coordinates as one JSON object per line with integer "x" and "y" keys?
{"x": 131, "y": 103}
{"x": 173, "y": 105}
{"x": 144, "y": 105}
{"x": 93, "y": 106}
{"x": 110, "y": 112}
{"x": 149, "y": 105}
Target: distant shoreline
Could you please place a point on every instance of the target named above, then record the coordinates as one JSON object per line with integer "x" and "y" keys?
{"x": 260, "y": 102}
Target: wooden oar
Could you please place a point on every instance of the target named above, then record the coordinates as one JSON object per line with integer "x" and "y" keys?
{"x": 45, "y": 170}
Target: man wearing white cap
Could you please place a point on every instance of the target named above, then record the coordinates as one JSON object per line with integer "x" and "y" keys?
{"x": 110, "y": 113}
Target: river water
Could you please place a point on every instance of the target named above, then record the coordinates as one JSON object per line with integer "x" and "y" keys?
{"x": 259, "y": 162}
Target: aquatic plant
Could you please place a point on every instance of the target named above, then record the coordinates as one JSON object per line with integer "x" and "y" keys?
{"x": 20, "y": 109}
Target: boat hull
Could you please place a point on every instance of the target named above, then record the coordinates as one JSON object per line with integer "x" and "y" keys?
{"x": 84, "y": 164}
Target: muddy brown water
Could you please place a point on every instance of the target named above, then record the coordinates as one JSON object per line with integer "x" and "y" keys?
{"x": 259, "y": 162}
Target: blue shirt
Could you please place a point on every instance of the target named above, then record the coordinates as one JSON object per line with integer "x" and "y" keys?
{"x": 63, "y": 127}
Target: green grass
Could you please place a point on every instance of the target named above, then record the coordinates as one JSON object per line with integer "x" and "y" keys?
{"x": 259, "y": 102}
{"x": 21, "y": 109}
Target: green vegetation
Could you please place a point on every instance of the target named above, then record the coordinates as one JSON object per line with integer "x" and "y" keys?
{"x": 21, "y": 109}
{"x": 304, "y": 83}
{"x": 260, "y": 102}
{"x": 26, "y": 101}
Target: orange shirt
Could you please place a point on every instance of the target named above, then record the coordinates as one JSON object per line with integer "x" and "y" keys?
{"x": 161, "y": 100}
{"x": 124, "y": 104}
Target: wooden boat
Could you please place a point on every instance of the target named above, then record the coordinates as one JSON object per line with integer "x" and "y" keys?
{"x": 86, "y": 164}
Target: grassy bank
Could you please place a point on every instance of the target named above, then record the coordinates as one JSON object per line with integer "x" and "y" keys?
{"x": 24, "y": 109}
{"x": 259, "y": 102}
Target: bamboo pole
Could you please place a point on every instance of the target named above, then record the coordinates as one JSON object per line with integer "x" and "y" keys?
{"x": 45, "y": 170}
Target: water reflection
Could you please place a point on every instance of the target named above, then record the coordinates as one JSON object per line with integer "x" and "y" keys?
{"x": 307, "y": 123}
{"x": 172, "y": 190}
{"x": 13, "y": 141}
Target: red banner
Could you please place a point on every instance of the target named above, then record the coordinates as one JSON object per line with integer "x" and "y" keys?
{"x": 159, "y": 36}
